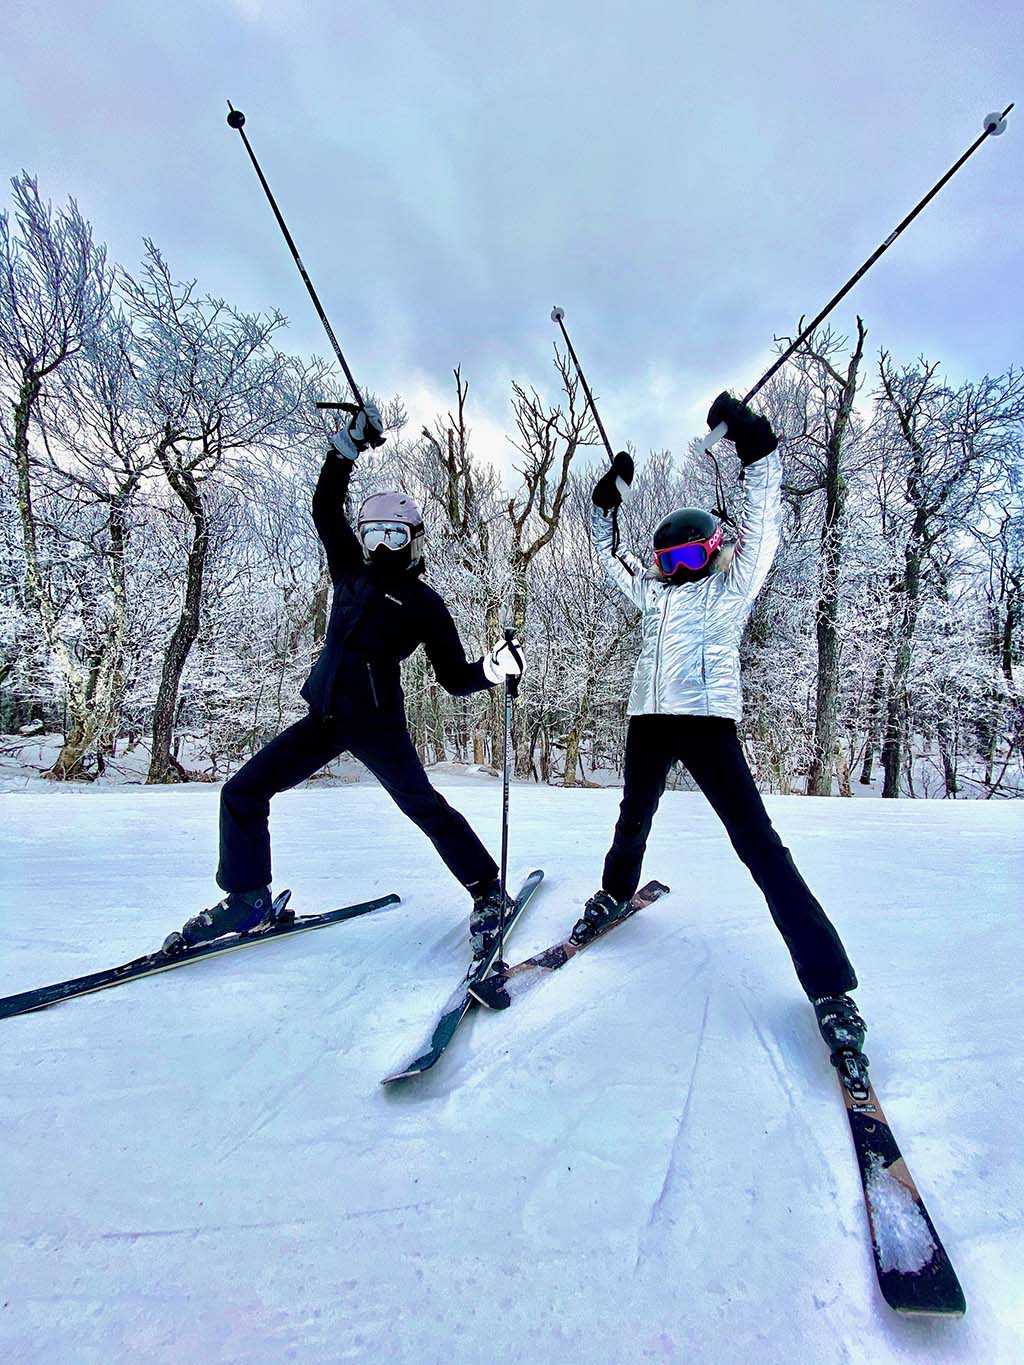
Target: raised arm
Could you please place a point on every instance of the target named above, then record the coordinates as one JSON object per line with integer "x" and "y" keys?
{"x": 339, "y": 540}
{"x": 364, "y": 431}
{"x": 761, "y": 513}
{"x": 760, "y": 527}
{"x": 624, "y": 569}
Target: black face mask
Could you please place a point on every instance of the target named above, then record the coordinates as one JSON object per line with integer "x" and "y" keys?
{"x": 385, "y": 563}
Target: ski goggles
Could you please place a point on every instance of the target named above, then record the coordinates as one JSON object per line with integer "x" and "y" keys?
{"x": 693, "y": 555}
{"x": 393, "y": 535}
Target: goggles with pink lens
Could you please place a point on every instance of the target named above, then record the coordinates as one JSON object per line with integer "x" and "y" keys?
{"x": 693, "y": 555}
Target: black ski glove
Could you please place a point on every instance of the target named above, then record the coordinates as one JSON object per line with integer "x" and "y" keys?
{"x": 753, "y": 436}
{"x": 614, "y": 484}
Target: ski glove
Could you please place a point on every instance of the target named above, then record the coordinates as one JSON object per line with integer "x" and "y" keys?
{"x": 614, "y": 486}
{"x": 505, "y": 660}
{"x": 752, "y": 434}
{"x": 365, "y": 431}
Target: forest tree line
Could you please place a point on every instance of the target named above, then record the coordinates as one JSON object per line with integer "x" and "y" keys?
{"x": 162, "y": 582}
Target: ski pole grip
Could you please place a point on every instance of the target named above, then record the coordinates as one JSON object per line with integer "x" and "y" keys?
{"x": 513, "y": 683}
{"x": 713, "y": 437}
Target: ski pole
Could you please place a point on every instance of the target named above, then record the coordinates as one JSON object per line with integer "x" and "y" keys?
{"x": 511, "y": 691}
{"x": 994, "y": 124}
{"x": 557, "y": 314}
{"x": 236, "y": 119}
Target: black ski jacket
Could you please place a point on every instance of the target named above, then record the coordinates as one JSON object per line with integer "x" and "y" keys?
{"x": 375, "y": 623}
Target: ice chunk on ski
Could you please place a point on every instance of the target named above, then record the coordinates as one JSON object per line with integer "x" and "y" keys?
{"x": 902, "y": 1238}
{"x": 914, "y": 1271}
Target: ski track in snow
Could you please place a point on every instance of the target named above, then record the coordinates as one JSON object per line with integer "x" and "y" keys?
{"x": 645, "y": 1159}
{"x": 654, "y": 1214}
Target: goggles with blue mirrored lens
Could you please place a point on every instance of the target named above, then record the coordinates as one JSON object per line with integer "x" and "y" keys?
{"x": 694, "y": 554}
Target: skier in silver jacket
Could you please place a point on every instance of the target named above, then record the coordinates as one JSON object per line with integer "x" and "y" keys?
{"x": 686, "y": 698}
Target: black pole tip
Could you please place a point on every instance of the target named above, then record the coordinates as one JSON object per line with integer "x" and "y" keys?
{"x": 236, "y": 119}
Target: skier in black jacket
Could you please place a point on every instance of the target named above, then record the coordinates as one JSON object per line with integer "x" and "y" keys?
{"x": 382, "y": 611}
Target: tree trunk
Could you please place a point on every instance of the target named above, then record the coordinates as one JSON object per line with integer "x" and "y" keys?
{"x": 876, "y": 711}
{"x": 90, "y": 697}
{"x": 163, "y": 766}
{"x": 819, "y": 781}
{"x": 521, "y": 746}
{"x": 896, "y": 736}
{"x": 842, "y": 770}
{"x": 320, "y": 604}
{"x": 572, "y": 754}
{"x": 947, "y": 748}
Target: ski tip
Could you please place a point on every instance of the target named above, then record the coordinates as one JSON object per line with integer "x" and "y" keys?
{"x": 407, "y": 1074}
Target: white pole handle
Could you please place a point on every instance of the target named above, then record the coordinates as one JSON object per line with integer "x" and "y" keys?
{"x": 713, "y": 437}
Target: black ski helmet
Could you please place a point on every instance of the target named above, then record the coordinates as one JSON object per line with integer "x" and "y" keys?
{"x": 687, "y": 526}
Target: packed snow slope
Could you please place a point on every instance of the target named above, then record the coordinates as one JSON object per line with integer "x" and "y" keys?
{"x": 645, "y": 1159}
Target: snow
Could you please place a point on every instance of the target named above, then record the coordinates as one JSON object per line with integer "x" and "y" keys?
{"x": 901, "y": 1234}
{"x": 645, "y": 1159}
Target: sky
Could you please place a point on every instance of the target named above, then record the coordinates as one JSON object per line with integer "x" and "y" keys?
{"x": 685, "y": 180}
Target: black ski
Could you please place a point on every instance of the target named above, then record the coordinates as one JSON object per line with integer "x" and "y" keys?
{"x": 458, "y": 1005}
{"x": 914, "y": 1271}
{"x": 160, "y": 961}
{"x": 499, "y": 990}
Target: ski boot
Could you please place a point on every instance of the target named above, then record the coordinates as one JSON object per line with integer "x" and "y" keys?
{"x": 240, "y": 912}
{"x": 844, "y": 1030}
{"x": 490, "y": 907}
{"x": 598, "y": 913}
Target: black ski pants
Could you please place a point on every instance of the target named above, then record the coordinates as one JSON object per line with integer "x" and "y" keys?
{"x": 709, "y": 748}
{"x": 304, "y": 748}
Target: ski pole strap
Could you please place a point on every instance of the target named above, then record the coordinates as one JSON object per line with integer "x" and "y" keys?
{"x": 512, "y": 684}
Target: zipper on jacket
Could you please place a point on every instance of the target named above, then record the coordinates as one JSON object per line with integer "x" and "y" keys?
{"x": 657, "y": 650}
{"x": 373, "y": 686}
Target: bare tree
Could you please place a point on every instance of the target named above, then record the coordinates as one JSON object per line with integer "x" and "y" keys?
{"x": 54, "y": 291}
{"x": 465, "y": 492}
{"x": 820, "y": 454}
{"x": 950, "y": 444}
{"x": 548, "y": 440}
{"x": 215, "y": 386}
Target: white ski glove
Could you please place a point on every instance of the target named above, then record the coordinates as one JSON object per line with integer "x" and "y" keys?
{"x": 364, "y": 431}
{"x": 505, "y": 660}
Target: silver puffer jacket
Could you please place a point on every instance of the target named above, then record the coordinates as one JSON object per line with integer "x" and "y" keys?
{"x": 689, "y": 662}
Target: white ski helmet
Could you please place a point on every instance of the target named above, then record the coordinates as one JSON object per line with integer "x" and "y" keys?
{"x": 391, "y": 531}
